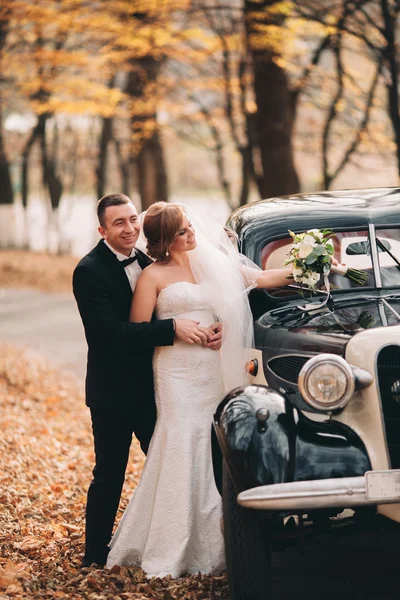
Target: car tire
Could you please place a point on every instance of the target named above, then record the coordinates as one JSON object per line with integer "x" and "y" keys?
{"x": 247, "y": 547}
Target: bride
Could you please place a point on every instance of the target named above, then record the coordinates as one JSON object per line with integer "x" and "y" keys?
{"x": 172, "y": 523}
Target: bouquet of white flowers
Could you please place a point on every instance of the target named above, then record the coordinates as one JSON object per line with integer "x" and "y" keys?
{"x": 311, "y": 257}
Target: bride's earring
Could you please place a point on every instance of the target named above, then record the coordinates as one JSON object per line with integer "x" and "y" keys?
{"x": 167, "y": 253}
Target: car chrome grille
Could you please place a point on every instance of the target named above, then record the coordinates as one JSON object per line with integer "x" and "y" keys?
{"x": 288, "y": 367}
{"x": 388, "y": 365}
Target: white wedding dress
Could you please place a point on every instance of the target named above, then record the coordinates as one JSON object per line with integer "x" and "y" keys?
{"x": 172, "y": 523}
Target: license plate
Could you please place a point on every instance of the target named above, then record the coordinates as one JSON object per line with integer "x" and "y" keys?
{"x": 383, "y": 485}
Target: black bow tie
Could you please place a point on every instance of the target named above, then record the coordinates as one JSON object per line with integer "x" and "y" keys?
{"x": 128, "y": 261}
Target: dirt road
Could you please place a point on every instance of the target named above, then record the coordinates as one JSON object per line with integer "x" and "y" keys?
{"x": 48, "y": 323}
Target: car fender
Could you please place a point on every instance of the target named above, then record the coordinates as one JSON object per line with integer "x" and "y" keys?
{"x": 264, "y": 441}
{"x": 253, "y": 431}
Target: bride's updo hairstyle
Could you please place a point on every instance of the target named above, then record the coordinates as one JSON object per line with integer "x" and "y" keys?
{"x": 160, "y": 226}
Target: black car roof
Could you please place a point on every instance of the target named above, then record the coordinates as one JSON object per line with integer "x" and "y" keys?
{"x": 265, "y": 220}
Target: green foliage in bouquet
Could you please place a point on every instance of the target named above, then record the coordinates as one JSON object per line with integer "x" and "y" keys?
{"x": 311, "y": 256}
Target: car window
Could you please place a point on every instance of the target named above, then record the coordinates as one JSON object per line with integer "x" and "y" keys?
{"x": 350, "y": 248}
{"x": 390, "y": 270}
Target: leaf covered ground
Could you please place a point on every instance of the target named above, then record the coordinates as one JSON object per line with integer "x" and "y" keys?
{"x": 45, "y": 465}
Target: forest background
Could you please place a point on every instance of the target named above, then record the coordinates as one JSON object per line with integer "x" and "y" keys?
{"x": 221, "y": 101}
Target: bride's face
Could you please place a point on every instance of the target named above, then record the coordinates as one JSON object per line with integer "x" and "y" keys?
{"x": 185, "y": 239}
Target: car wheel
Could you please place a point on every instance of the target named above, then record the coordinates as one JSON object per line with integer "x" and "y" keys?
{"x": 247, "y": 547}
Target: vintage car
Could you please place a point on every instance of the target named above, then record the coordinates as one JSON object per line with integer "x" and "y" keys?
{"x": 316, "y": 433}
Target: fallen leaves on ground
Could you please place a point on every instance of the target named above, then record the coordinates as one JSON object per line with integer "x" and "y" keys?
{"x": 47, "y": 272}
{"x": 46, "y": 459}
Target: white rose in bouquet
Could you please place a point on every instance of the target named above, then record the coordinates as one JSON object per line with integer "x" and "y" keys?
{"x": 309, "y": 239}
{"x": 305, "y": 250}
{"x": 317, "y": 235}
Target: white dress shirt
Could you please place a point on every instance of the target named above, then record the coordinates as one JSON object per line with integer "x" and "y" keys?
{"x": 133, "y": 270}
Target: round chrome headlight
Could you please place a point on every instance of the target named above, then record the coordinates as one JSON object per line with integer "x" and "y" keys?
{"x": 326, "y": 382}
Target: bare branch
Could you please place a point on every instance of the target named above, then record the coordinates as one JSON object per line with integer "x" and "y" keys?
{"x": 323, "y": 45}
{"x": 363, "y": 124}
{"x": 373, "y": 23}
{"x": 218, "y": 149}
{"x": 332, "y": 112}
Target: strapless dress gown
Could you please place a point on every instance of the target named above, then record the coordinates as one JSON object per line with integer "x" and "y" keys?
{"x": 172, "y": 523}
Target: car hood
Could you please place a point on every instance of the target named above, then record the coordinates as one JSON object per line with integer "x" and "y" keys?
{"x": 290, "y": 329}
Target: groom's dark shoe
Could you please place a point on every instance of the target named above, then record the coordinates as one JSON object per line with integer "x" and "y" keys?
{"x": 88, "y": 561}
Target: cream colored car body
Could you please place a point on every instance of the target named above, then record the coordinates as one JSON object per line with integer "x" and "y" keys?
{"x": 363, "y": 413}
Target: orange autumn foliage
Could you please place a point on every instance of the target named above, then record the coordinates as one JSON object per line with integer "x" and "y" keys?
{"x": 45, "y": 468}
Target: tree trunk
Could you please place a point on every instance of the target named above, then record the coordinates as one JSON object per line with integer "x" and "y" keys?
{"x": 150, "y": 164}
{"x": 104, "y": 145}
{"x": 222, "y": 178}
{"x": 25, "y": 158}
{"x": 101, "y": 169}
{"x": 152, "y": 177}
{"x": 247, "y": 171}
{"x": 123, "y": 168}
{"x": 51, "y": 179}
{"x": 275, "y": 109}
{"x": 275, "y": 118}
{"x": 6, "y": 189}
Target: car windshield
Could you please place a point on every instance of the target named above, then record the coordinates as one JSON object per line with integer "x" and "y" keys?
{"x": 352, "y": 248}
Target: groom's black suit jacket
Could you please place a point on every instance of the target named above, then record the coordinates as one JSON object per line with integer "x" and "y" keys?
{"x": 119, "y": 369}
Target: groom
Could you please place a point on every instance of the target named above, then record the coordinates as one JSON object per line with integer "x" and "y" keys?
{"x": 119, "y": 379}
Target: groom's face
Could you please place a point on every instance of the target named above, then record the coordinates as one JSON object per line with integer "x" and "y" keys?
{"x": 121, "y": 227}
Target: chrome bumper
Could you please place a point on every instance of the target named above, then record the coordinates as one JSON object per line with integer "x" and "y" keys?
{"x": 375, "y": 487}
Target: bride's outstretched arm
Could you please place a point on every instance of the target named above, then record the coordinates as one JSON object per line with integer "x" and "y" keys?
{"x": 273, "y": 278}
{"x": 270, "y": 278}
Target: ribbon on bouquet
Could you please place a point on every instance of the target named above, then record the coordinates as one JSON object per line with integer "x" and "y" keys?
{"x": 317, "y": 307}
{"x": 339, "y": 269}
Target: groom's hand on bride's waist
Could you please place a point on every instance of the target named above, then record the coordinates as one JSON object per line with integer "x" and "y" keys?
{"x": 188, "y": 331}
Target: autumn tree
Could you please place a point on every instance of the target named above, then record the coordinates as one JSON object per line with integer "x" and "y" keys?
{"x": 254, "y": 93}
{"x": 308, "y": 56}
{"x": 376, "y": 25}
{"x": 33, "y": 46}
{"x": 143, "y": 36}
{"x": 48, "y": 56}
{"x": 6, "y": 189}
{"x": 276, "y": 108}
{"x": 258, "y": 93}
{"x": 346, "y": 36}
{"x": 107, "y": 137}
{"x": 218, "y": 88}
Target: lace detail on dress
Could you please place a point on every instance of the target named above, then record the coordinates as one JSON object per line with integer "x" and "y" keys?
{"x": 172, "y": 524}
{"x": 179, "y": 299}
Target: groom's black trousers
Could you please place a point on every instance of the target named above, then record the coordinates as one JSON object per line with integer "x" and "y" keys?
{"x": 112, "y": 432}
